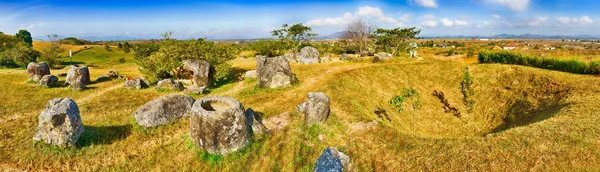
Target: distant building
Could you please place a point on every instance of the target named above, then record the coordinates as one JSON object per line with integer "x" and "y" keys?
{"x": 484, "y": 39}
{"x": 511, "y": 46}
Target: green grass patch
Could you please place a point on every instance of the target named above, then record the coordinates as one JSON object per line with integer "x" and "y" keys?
{"x": 569, "y": 65}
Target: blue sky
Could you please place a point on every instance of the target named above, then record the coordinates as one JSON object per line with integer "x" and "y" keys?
{"x": 252, "y": 19}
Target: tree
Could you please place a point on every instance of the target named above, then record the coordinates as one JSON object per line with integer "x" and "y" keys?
{"x": 25, "y": 36}
{"x": 296, "y": 33}
{"x": 394, "y": 39}
{"x": 106, "y": 47}
{"x": 126, "y": 47}
{"x": 119, "y": 45}
{"x": 357, "y": 33}
{"x": 22, "y": 55}
{"x": 50, "y": 53}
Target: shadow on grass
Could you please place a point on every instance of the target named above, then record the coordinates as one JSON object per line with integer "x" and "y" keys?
{"x": 522, "y": 113}
{"x": 67, "y": 63}
{"x": 95, "y": 135}
{"x": 235, "y": 74}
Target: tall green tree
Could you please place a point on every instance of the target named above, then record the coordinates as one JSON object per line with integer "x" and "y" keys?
{"x": 296, "y": 33}
{"x": 50, "y": 53}
{"x": 394, "y": 40}
{"x": 126, "y": 47}
{"x": 119, "y": 45}
{"x": 25, "y": 36}
{"x": 22, "y": 55}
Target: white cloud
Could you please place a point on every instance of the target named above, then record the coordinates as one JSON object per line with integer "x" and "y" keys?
{"x": 585, "y": 20}
{"x": 331, "y": 21}
{"x": 446, "y": 22}
{"x": 364, "y": 11}
{"x": 564, "y": 20}
{"x": 496, "y": 16}
{"x": 426, "y": 3}
{"x": 429, "y": 23}
{"x": 405, "y": 17}
{"x": 460, "y": 23}
{"x": 537, "y": 22}
{"x": 515, "y": 5}
{"x": 429, "y": 17}
{"x": 31, "y": 26}
{"x": 484, "y": 24}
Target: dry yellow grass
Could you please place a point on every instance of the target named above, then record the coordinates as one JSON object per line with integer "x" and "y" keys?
{"x": 553, "y": 138}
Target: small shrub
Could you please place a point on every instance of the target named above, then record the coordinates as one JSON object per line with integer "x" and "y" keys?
{"x": 122, "y": 60}
{"x": 571, "y": 66}
{"x": 467, "y": 91}
{"x": 595, "y": 67}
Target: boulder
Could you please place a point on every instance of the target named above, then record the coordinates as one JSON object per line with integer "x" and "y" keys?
{"x": 60, "y": 124}
{"x": 278, "y": 122}
{"x": 137, "y": 83}
{"x": 255, "y": 122}
{"x": 201, "y": 69}
{"x": 274, "y": 72}
{"x": 291, "y": 57}
{"x": 332, "y": 160}
{"x": 48, "y": 81}
{"x": 381, "y": 56}
{"x": 37, "y": 70}
{"x": 326, "y": 58}
{"x": 250, "y": 74}
{"x": 349, "y": 57}
{"x": 309, "y": 55}
{"x": 169, "y": 84}
{"x": 112, "y": 74}
{"x": 316, "y": 109}
{"x": 78, "y": 77}
{"x": 194, "y": 90}
{"x": 219, "y": 125}
{"x": 163, "y": 110}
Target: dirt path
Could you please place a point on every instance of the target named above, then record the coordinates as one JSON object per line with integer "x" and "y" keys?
{"x": 99, "y": 93}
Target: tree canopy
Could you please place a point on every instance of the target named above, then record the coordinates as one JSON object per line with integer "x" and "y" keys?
{"x": 25, "y": 36}
{"x": 394, "y": 39}
{"x": 297, "y": 33}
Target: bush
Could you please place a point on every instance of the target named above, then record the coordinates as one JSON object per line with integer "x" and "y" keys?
{"x": 571, "y": 66}
{"x": 159, "y": 61}
{"x": 269, "y": 48}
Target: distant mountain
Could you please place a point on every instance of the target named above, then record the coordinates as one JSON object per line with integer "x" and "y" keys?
{"x": 335, "y": 35}
{"x": 92, "y": 38}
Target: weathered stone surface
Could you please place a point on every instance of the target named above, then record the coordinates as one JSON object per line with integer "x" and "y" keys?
{"x": 332, "y": 160}
{"x": 381, "y": 56}
{"x": 163, "y": 110}
{"x": 349, "y": 57}
{"x": 277, "y": 123}
{"x": 37, "y": 70}
{"x": 309, "y": 55}
{"x": 255, "y": 122}
{"x": 48, "y": 81}
{"x": 137, "y": 83}
{"x": 201, "y": 69}
{"x": 274, "y": 72}
{"x": 78, "y": 77}
{"x": 291, "y": 57}
{"x": 219, "y": 125}
{"x": 169, "y": 84}
{"x": 326, "y": 58}
{"x": 316, "y": 109}
{"x": 250, "y": 74}
{"x": 60, "y": 124}
{"x": 112, "y": 74}
{"x": 194, "y": 89}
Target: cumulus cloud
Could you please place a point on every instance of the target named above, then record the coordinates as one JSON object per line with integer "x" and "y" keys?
{"x": 364, "y": 11}
{"x": 426, "y": 3}
{"x": 331, "y": 21}
{"x": 460, "y": 23}
{"x": 585, "y": 20}
{"x": 495, "y": 16}
{"x": 515, "y": 5}
{"x": 537, "y": 22}
{"x": 446, "y": 22}
{"x": 405, "y": 17}
{"x": 429, "y": 23}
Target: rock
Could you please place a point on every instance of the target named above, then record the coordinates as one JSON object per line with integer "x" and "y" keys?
{"x": 326, "y": 58}
{"x": 332, "y": 160}
{"x": 78, "y": 77}
{"x": 250, "y": 74}
{"x": 201, "y": 69}
{"x": 255, "y": 122}
{"x": 60, "y": 124}
{"x": 48, "y": 81}
{"x": 316, "y": 109}
{"x": 309, "y": 55}
{"x": 349, "y": 57}
{"x": 163, "y": 110}
{"x": 37, "y": 70}
{"x": 274, "y": 72}
{"x": 243, "y": 57}
{"x": 169, "y": 84}
{"x": 137, "y": 83}
{"x": 112, "y": 74}
{"x": 367, "y": 53}
{"x": 381, "y": 57}
{"x": 219, "y": 125}
{"x": 277, "y": 123}
{"x": 291, "y": 57}
{"x": 195, "y": 90}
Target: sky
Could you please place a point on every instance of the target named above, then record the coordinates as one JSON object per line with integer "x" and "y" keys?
{"x": 255, "y": 19}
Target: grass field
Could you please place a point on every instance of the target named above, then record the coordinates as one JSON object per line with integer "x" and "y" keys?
{"x": 525, "y": 119}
